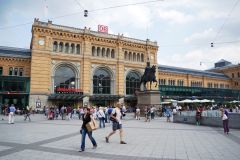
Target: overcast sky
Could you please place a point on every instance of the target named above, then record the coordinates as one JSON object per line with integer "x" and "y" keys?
{"x": 183, "y": 29}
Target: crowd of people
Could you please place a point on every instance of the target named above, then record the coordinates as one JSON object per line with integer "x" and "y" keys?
{"x": 114, "y": 115}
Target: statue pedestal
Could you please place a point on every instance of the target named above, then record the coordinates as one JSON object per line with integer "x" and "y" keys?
{"x": 148, "y": 98}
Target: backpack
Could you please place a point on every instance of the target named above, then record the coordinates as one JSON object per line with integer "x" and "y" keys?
{"x": 110, "y": 110}
{"x": 114, "y": 115}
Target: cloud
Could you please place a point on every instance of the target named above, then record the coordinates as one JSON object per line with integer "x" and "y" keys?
{"x": 205, "y": 36}
{"x": 208, "y": 56}
{"x": 175, "y": 17}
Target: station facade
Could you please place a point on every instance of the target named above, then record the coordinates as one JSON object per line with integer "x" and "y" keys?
{"x": 71, "y": 66}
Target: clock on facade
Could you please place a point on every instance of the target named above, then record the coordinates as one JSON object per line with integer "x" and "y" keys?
{"x": 41, "y": 42}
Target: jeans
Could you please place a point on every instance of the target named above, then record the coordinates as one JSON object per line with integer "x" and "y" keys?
{"x": 101, "y": 122}
{"x": 84, "y": 132}
{"x": 225, "y": 126}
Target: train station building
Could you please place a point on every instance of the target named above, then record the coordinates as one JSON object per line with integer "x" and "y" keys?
{"x": 72, "y": 66}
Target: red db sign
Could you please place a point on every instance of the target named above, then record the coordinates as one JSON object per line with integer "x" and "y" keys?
{"x": 102, "y": 28}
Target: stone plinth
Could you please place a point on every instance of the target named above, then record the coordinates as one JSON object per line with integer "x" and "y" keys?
{"x": 148, "y": 98}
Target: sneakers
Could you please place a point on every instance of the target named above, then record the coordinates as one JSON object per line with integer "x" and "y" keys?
{"x": 81, "y": 151}
{"x": 122, "y": 142}
{"x": 95, "y": 146}
{"x": 107, "y": 139}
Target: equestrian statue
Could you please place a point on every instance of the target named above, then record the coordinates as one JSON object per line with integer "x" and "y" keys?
{"x": 149, "y": 76}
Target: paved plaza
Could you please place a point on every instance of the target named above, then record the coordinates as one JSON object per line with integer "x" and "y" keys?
{"x": 47, "y": 139}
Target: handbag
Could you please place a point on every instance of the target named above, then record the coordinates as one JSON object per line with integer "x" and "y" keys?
{"x": 224, "y": 117}
{"x": 92, "y": 125}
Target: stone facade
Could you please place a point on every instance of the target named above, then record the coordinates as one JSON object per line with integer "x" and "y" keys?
{"x": 86, "y": 52}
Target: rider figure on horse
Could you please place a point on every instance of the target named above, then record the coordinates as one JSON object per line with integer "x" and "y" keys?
{"x": 149, "y": 75}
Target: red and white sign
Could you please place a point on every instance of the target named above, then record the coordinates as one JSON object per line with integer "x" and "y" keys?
{"x": 68, "y": 90}
{"x": 102, "y": 28}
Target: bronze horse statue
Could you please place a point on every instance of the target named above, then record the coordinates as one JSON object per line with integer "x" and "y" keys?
{"x": 149, "y": 76}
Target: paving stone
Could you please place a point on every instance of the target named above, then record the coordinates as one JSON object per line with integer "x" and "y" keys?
{"x": 155, "y": 140}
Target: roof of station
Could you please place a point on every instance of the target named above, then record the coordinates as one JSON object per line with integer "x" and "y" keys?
{"x": 191, "y": 71}
{"x": 14, "y": 52}
{"x": 86, "y": 30}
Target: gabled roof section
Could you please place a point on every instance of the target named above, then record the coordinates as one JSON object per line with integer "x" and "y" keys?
{"x": 222, "y": 60}
{"x": 14, "y": 52}
{"x": 191, "y": 72}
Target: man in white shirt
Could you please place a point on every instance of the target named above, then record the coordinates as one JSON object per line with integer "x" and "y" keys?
{"x": 116, "y": 123}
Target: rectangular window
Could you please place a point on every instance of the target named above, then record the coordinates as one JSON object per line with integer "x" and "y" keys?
{"x": 15, "y": 71}
{"x": 21, "y": 72}
{"x": 10, "y": 71}
{"x": 1, "y": 71}
{"x": 232, "y": 75}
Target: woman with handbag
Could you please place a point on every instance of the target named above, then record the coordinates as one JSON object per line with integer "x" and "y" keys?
{"x": 86, "y": 119}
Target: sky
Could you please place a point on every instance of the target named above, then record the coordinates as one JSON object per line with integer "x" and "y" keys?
{"x": 183, "y": 29}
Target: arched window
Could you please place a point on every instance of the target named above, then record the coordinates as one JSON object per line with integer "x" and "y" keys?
{"x": 55, "y": 46}
{"x": 61, "y": 47}
{"x": 112, "y": 54}
{"x": 130, "y": 56}
{"x": 64, "y": 78}
{"x": 72, "y": 49}
{"x": 134, "y": 56}
{"x": 142, "y": 58}
{"x": 108, "y": 53}
{"x": 101, "y": 82}
{"x": 103, "y": 52}
{"x": 78, "y": 49}
{"x": 93, "y": 50}
{"x": 98, "y": 51}
{"x": 125, "y": 55}
{"x": 66, "y": 48}
{"x": 10, "y": 71}
{"x": 132, "y": 83}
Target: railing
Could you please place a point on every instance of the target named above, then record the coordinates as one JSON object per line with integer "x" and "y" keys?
{"x": 207, "y": 113}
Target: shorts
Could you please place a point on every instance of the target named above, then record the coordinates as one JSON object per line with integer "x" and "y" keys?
{"x": 116, "y": 126}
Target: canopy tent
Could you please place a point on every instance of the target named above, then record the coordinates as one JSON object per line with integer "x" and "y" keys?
{"x": 205, "y": 101}
{"x": 235, "y": 101}
{"x": 196, "y": 101}
{"x": 169, "y": 101}
{"x": 165, "y": 102}
{"x": 186, "y": 101}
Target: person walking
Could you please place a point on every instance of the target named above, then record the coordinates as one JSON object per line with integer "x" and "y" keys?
{"x": 198, "y": 116}
{"x": 168, "y": 113}
{"x": 86, "y": 119}
{"x": 101, "y": 117}
{"x": 11, "y": 115}
{"x": 138, "y": 113}
{"x": 116, "y": 123}
{"x": 27, "y": 114}
{"x": 224, "y": 115}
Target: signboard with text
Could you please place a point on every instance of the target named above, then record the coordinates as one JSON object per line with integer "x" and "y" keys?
{"x": 68, "y": 90}
{"x": 102, "y": 28}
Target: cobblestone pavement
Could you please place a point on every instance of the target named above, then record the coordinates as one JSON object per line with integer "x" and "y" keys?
{"x": 57, "y": 139}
